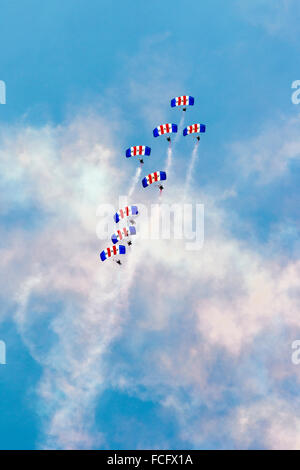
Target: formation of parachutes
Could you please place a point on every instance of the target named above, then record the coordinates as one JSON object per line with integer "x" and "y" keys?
{"x": 128, "y": 213}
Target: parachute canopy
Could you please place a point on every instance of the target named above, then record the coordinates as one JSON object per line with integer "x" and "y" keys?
{"x": 182, "y": 101}
{"x": 123, "y": 233}
{"x": 113, "y": 251}
{"x": 154, "y": 177}
{"x": 194, "y": 128}
{"x": 165, "y": 129}
{"x": 138, "y": 150}
{"x": 128, "y": 211}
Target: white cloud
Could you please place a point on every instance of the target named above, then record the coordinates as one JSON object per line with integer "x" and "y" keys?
{"x": 274, "y": 421}
{"x": 202, "y": 304}
{"x": 67, "y": 173}
{"x": 269, "y": 154}
{"x": 277, "y": 18}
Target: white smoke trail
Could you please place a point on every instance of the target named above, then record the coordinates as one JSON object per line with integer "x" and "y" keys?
{"x": 135, "y": 181}
{"x": 180, "y": 126}
{"x": 169, "y": 159}
{"x": 190, "y": 169}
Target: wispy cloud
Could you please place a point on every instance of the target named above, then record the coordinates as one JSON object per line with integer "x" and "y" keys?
{"x": 269, "y": 154}
{"x": 277, "y": 18}
{"x": 194, "y": 320}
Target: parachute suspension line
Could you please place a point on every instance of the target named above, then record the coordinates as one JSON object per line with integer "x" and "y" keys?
{"x": 135, "y": 181}
{"x": 190, "y": 169}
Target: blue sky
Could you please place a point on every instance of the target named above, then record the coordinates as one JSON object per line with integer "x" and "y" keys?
{"x": 88, "y": 75}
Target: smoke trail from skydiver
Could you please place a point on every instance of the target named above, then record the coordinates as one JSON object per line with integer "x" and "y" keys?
{"x": 135, "y": 181}
{"x": 190, "y": 169}
{"x": 180, "y": 126}
{"x": 169, "y": 158}
{"x": 170, "y": 150}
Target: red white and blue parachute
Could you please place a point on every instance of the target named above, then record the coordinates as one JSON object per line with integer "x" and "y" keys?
{"x": 113, "y": 251}
{"x": 154, "y": 177}
{"x": 128, "y": 211}
{"x": 138, "y": 150}
{"x": 165, "y": 129}
{"x": 194, "y": 128}
{"x": 123, "y": 233}
{"x": 182, "y": 101}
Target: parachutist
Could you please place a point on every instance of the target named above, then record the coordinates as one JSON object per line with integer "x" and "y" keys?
{"x": 154, "y": 177}
{"x": 129, "y": 243}
{"x": 194, "y": 129}
{"x": 113, "y": 251}
{"x": 165, "y": 129}
{"x": 123, "y": 233}
{"x": 160, "y": 187}
{"x": 169, "y": 139}
{"x": 125, "y": 212}
{"x": 185, "y": 100}
{"x": 118, "y": 262}
{"x": 138, "y": 150}
{"x": 132, "y": 222}
{"x": 141, "y": 161}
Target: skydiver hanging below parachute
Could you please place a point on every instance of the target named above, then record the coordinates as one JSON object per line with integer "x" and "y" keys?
{"x": 125, "y": 213}
{"x": 125, "y": 232}
{"x": 140, "y": 150}
{"x": 178, "y": 102}
{"x": 154, "y": 178}
{"x": 165, "y": 129}
{"x": 110, "y": 252}
{"x": 160, "y": 187}
{"x": 182, "y": 101}
{"x": 194, "y": 129}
